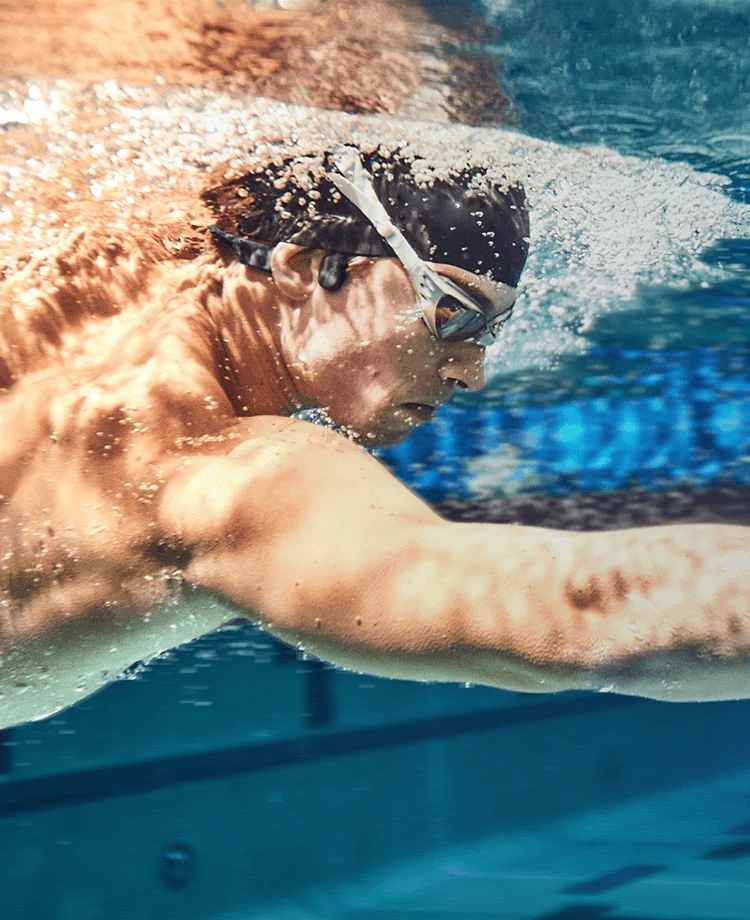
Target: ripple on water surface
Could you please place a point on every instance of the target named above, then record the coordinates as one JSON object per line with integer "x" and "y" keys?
{"x": 651, "y": 77}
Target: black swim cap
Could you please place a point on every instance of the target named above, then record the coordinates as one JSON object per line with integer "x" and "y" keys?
{"x": 467, "y": 220}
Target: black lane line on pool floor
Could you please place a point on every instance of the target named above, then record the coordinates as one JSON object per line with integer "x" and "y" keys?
{"x": 737, "y": 850}
{"x": 581, "y": 912}
{"x": 616, "y": 879}
{"x": 320, "y": 695}
{"x": 600, "y": 912}
{"x": 37, "y": 793}
{"x": 6, "y": 761}
{"x": 740, "y": 830}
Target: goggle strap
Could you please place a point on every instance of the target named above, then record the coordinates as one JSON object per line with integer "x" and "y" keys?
{"x": 356, "y": 185}
{"x": 248, "y": 252}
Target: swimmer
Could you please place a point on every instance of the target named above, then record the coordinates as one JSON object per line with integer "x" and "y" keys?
{"x": 155, "y": 482}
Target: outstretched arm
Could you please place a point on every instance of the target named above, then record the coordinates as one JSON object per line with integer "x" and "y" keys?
{"x": 328, "y": 550}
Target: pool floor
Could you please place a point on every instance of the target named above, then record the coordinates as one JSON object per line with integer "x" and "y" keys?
{"x": 679, "y": 855}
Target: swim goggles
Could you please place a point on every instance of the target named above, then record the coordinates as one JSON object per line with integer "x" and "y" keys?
{"x": 451, "y": 313}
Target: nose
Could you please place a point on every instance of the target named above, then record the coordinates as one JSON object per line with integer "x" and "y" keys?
{"x": 463, "y": 366}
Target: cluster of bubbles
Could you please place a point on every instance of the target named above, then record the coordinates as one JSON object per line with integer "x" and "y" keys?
{"x": 604, "y": 226}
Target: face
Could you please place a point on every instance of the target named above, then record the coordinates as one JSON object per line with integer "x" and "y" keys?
{"x": 365, "y": 355}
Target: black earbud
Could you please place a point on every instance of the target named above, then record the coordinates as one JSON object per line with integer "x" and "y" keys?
{"x": 332, "y": 271}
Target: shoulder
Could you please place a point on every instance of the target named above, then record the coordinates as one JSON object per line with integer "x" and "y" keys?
{"x": 91, "y": 278}
{"x": 138, "y": 401}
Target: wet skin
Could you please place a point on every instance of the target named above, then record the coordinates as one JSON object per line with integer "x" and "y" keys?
{"x": 366, "y": 355}
{"x": 146, "y": 454}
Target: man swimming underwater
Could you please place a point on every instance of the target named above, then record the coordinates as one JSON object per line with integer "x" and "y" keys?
{"x": 148, "y": 460}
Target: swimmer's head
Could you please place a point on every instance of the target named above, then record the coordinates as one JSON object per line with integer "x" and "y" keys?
{"x": 467, "y": 220}
{"x": 372, "y": 344}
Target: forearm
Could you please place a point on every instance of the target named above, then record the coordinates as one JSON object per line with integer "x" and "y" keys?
{"x": 661, "y": 612}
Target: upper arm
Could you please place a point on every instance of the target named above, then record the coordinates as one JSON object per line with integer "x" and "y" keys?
{"x": 292, "y": 517}
{"x": 314, "y": 539}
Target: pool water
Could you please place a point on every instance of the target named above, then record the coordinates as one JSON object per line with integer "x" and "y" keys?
{"x": 659, "y": 396}
{"x": 237, "y": 779}
{"x": 668, "y": 78}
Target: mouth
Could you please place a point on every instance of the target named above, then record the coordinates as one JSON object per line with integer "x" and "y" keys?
{"x": 422, "y": 411}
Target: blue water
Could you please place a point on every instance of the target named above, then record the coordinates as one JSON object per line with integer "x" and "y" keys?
{"x": 688, "y": 424}
{"x": 650, "y": 77}
{"x": 662, "y": 395}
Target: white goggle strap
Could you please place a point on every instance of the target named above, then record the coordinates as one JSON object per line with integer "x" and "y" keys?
{"x": 355, "y": 183}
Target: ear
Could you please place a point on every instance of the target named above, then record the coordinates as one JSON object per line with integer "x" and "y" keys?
{"x": 295, "y": 269}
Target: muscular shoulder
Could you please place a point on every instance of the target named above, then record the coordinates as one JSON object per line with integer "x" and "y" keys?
{"x": 267, "y": 475}
{"x": 75, "y": 298}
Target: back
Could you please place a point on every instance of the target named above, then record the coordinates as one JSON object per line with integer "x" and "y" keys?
{"x": 47, "y": 303}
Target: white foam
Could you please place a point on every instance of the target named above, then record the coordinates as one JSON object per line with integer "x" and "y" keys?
{"x": 603, "y": 224}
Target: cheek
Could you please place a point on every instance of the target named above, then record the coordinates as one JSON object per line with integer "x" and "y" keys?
{"x": 397, "y": 359}
{"x": 363, "y": 358}
{"x": 402, "y": 369}
{"x": 370, "y": 380}
{"x": 376, "y": 369}
{"x": 361, "y": 328}
{"x": 325, "y": 346}
{"x": 353, "y": 381}
{"x": 416, "y": 355}
{"x": 363, "y": 387}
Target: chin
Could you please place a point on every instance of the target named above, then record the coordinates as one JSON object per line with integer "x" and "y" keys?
{"x": 387, "y": 428}
{"x": 385, "y": 437}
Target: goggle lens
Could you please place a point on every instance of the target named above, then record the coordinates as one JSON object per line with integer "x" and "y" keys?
{"x": 454, "y": 322}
